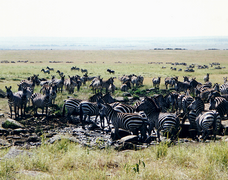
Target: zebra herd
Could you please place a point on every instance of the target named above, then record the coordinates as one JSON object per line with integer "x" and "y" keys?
{"x": 186, "y": 101}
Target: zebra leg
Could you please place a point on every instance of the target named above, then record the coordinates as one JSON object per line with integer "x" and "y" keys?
{"x": 11, "y": 111}
{"x": 158, "y": 134}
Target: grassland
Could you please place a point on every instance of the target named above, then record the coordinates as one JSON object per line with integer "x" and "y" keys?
{"x": 66, "y": 160}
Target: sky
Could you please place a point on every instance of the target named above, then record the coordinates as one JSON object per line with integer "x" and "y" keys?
{"x": 113, "y": 18}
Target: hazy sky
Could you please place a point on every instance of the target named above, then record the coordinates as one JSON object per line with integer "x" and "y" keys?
{"x": 113, "y": 18}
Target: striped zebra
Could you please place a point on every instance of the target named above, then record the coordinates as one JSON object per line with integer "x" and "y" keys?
{"x": 168, "y": 122}
{"x": 41, "y": 101}
{"x": 156, "y": 82}
{"x": 16, "y": 100}
{"x": 170, "y": 81}
{"x": 220, "y": 104}
{"x": 129, "y": 121}
{"x": 186, "y": 101}
{"x": 45, "y": 71}
{"x": 28, "y": 93}
{"x": 204, "y": 119}
{"x": 59, "y": 83}
{"x": 72, "y": 107}
{"x": 50, "y": 69}
{"x": 206, "y": 78}
{"x": 89, "y": 109}
{"x": 224, "y": 88}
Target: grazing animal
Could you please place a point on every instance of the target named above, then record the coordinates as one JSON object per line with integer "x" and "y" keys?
{"x": 220, "y": 104}
{"x": 60, "y": 73}
{"x": 72, "y": 106}
{"x": 128, "y": 121}
{"x": 17, "y": 100}
{"x": 111, "y": 71}
{"x": 206, "y": 78}
{"x": 84, "y": 70}
{"x": 59, "y": 83}
{"x": 96, "y": 84}
{"x": 89, "y": 109}
{"x": 45, "y": 71}
{"x": 168, "y": 122}
{"x": 170, "y": 81}
{"x": 156, "y": 82}
{"x": 50, "y": 69}
{"x": 41, "y": 101}
{"x": 205, "y": 120}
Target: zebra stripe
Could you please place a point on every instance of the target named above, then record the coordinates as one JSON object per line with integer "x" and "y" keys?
{"x": 205, "y": 120}
{"x": 72, "y": 106}
{"x": 168, "y": 122}
{"x": 128, "y": 121}
{"x": 220, "y": 104}
{"x": 17, "y": 100}
{"x": 41, "y": 101}
{"x": 89, "y": 109}
{"x": 224, "y": 88}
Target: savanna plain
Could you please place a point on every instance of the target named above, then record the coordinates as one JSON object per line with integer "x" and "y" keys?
{"x": 68, "y": 160}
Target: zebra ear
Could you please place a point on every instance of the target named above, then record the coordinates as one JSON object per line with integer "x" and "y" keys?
{"x": 10, "y": 87}
{"x": 6, "y": 87}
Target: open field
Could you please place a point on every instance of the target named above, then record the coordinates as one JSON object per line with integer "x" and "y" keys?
{"x": 65, "y": 160}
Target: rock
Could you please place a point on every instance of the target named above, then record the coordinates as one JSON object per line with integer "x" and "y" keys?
{"x": 4, "y": 131}
{"x": 54, "y": 138}
{"x": 13, "y": 152}
{"x": 4, "y": 143}
{"x": 10, "y": 123}
{"x": 34, "y": 139}
{"x": 19, "y": 131}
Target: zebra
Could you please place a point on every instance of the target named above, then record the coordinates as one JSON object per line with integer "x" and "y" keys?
{"x": 45, "y": 71}
{"x": 107, "y": 83}
{"x": 96, "y": 84}
{"x": 16, "y": 100}
{"x": 59, "y": 83}
{"x": 224, "y": 88}
{"x": 186, "y": 101}
{"x": 111, "y": 71}
{"x": 156, "y": 82}
{"x": 60, "y": 73}
{"x": 70, "y": 84}
{"x": 220, "y": 104}
{"x": 133, "y": 122}
{"x": 84, "y": 70}
{"x": 170, "y": 81}
{"x": 53, "y": 92}
{"x": 29, "y": 92}
{"x": 72, "y": 106}
{"x": 41, "y": 101}
{"x": 50, "y": 69}
{"x": 206, "y": 78}
{"x": 182, "y": 86}
{"x": 89, "y": 109}
{"x": 168, "y": 122}
{"x": 204, "y": 119}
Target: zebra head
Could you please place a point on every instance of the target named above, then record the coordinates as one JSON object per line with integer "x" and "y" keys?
{"x": 8, "y": 91}
{"x": 197, "y": 104}
{"x": 148, "y": 105}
